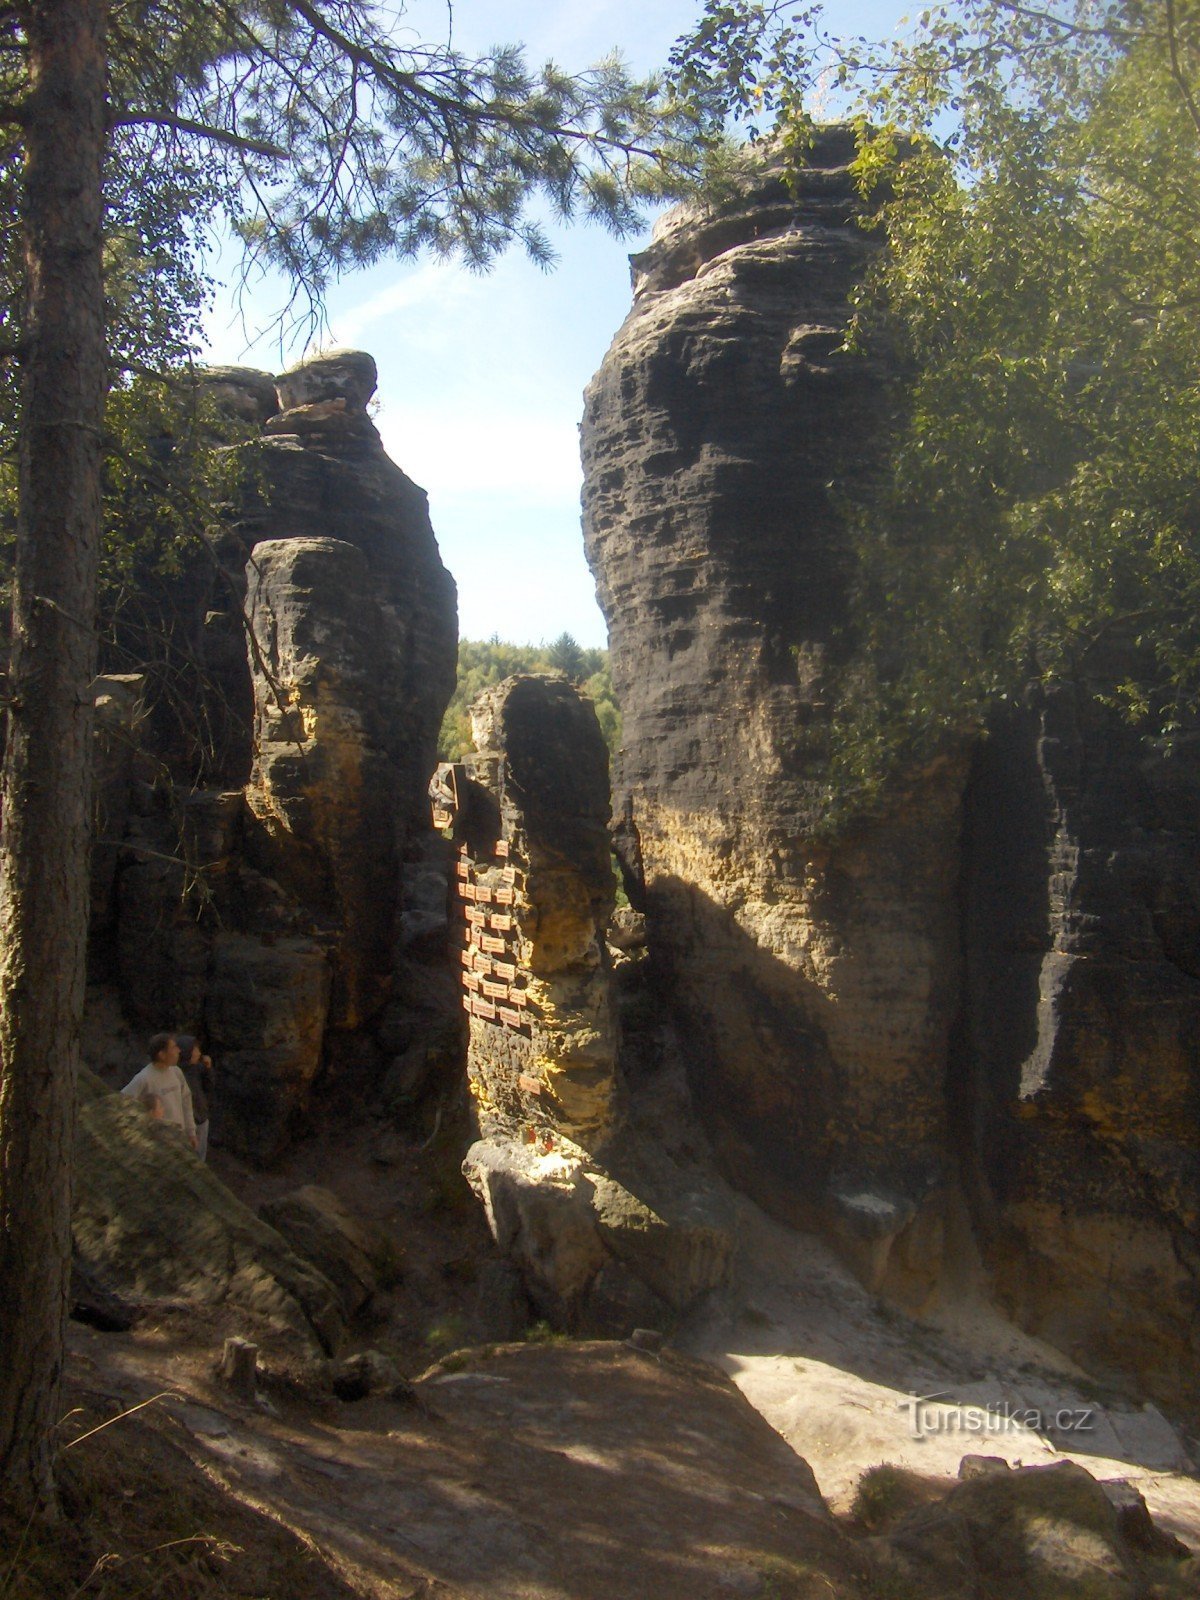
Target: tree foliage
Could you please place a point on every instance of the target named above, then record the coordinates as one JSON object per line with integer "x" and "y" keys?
{"x": 485, "y": 662}
{"x": 1039, "y": 304}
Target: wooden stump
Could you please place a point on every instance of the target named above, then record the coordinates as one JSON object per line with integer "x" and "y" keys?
{"x": 239, "y": 1365}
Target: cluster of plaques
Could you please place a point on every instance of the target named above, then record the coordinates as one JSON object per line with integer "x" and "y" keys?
{"x": 490, "y": 987}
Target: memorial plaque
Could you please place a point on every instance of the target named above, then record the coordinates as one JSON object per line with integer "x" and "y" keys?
{"x": 465, "y": 957}
{"x": 501, "y": 847}
{"x": 517, "y": 997}
{"x": 528, "y": 1085}
{"x": 508, "y": 875}
{"x": 466, "y": 891}
{"x": 504, "y": 896}
{"x": 483, "y": 894}
{"x": 466, "y": 1002}
{"x": 501, "y": 921}
{"x": 505, "y": 969}
{"x": 493, "y": 990}
{"x": 480, "y": 962}
{"x": 484, "y": 1009}
{"x": 462, "y": 867}
{"x": 475, "y": 916}
{"x": 491, "y": 943}
{"x": 472, "y": 980}
{"x": 441, "y": 819}
{"x": 514, "y": 1019}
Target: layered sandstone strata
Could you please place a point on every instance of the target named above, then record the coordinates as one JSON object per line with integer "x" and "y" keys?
{"x": 996, "y": 979}
{"x": 265, "y": 914}
{"x": 1079, "y": 1082}
{"x": 815, "y": 982}
{"x": 603, "y": 1241}
{"x": 352, "y": 658}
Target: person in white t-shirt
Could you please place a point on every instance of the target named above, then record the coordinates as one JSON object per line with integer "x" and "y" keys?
{"x": 162, "y": 1088}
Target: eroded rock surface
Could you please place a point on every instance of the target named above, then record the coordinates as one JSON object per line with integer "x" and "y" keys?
{"x": 1082, "y": 1073}
{"x": 152, "y": 1221}
{"x": 997, "y": 975}
{"x": 354, "y": 620}
{"x": 816, "y": 982}
{"x": 596, "y": 1251}
{"x": 262, "y": 909}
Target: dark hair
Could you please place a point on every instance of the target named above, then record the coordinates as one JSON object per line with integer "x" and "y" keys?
{"x": 158, "y": 1043}
{"x": 185, "y": 1041}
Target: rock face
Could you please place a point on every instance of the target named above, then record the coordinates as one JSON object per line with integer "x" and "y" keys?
{"x": 1081, "y": 1093}
{"x": 596, "y": 1252}
{"x": 352, "y": 1254}
{"x": 263, "y": 914}
{"x": 353, "y": 617}
{"x": 994, "y": 982}
{"x": 151, "y": 1220}
{"x": 542, "y": 765}
{"x": 816, "y": 983}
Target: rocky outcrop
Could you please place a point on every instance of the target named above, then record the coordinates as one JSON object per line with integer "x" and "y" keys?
{"x": 815, "y": 980}
{"x": 263, "y": 913}
{"x": 323, "y": 785}
{"x": 995, "y": 978}
{"x": 151, "y": 1221}
{"x": 355, "y": 637}
{"x": 1080, "y": 1072}
{"x": 543, "y": 1051}
{"x": 354, "y": 1255}
{"x": 596, "y": 1251}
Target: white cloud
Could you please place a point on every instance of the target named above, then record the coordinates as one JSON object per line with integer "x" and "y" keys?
{"x": 435, "y": 283}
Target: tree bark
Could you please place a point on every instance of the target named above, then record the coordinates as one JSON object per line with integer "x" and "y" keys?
{"x": 47, "y": 764}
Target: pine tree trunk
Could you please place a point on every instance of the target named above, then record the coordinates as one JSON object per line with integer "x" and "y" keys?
{"x": 47, "y": 764}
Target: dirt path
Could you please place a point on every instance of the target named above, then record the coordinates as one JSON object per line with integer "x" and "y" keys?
{"x": 561, "y": 1471}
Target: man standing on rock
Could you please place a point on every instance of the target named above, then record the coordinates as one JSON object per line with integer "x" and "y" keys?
{"x": 162, "y": 1087}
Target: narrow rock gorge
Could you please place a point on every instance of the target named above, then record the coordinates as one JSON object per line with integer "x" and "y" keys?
{"x": 986, "y": 994}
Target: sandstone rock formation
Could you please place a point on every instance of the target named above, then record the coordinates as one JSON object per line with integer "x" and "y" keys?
{"x": 151, "y": 1221}
{"x": 262, "y": 910}
{"x": 354, "y": 1255}
{"x": 1080, "y": 1099}
{"x": 815, "y": 982}
{"x": 995, "y": 979}
{"x": 596, "y": 1251}
{"x": 353, "y": 616}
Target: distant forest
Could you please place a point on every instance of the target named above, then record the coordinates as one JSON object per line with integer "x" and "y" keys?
{"x": 483, "y": 662}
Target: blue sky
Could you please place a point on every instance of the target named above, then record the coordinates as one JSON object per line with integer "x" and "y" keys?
{"x": 481, "y": 377}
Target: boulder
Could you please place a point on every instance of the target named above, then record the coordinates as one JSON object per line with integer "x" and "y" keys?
{"x": 346, "y": 375}
{"x": 151, "y": 1221}
{"x": 594, "y": 1255}
{"x": 354, "y": 1255}
{"x": 1044, "y": 1533}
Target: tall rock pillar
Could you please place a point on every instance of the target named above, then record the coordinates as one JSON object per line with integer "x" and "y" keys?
{"x": 815, "y": 979}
